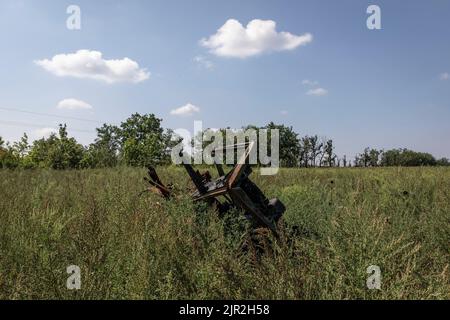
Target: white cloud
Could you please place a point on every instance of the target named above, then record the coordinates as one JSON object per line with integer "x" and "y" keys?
{"x": 73, "y": 104}
{"x": 444, "y": 76}
{"x": 259, "y": 36}
{"x": 186, "y": 110}
{"x": 205, "y": 63}
{"x": 317, "y": 92}
{"x": 45, "y": 132}
{"x": 284, "y": 113}
{"x": 90, "y": 64}
{"x": 312, "y": 83}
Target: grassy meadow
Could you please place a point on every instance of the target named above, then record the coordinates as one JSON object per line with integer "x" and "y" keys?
{"x": 142, "y": 247}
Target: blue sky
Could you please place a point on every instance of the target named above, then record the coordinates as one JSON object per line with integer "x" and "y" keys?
{"x": 383, "y": 88}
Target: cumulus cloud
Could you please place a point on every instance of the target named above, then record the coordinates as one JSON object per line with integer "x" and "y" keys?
{"x": 444, "y": 76}
{"x": 73, "y": 104}
{"x": 91, "y": 64}
{"x": 259, "y": 36}
{"x": 203, "y": 62}
{"x": 317, "y": 92}
{"x": 45, "y": 132}
{"x": 186, "y": 110}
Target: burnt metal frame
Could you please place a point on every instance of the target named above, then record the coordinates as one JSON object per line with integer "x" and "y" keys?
{"x": 235, "y": 187}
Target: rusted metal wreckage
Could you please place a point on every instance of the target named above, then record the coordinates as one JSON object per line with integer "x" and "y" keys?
{"x": 231, "y": 190}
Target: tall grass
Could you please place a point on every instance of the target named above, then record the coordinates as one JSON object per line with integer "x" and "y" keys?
{"x": 131, "y": 247}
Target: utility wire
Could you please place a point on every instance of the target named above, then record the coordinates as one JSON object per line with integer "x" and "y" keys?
{"x": 49, "y": 115}
{"x": 26, "y": 124}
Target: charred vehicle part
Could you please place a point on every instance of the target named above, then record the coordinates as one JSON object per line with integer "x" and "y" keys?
{"x": 230, "y": 190}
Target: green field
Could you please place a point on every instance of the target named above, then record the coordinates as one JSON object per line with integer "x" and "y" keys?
{"x": 131, "y": 247}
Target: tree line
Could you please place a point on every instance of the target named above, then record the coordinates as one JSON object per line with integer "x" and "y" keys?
{"x": 140, "y": 141}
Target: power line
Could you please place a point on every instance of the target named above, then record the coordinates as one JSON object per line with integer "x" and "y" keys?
{"x": 49, "y": 115}
{"x": 26, "y": 124}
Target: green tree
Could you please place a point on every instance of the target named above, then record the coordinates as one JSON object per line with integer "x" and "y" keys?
{"x": 22, "y": 146}
{"x": 305, "y": 149}
{"x": 374, "y": 157}
{"x": 143, "y": 140}
{"x": 21, "y": 151}
{"x": 391, "y": 158}
{"x": 8, "y": 157}
{"x": 315, "y": 149}
{"x": 289, "y": 144}
{"x": 443, "y": 162}
{"x": 363, "y": 159}
{"x": 104, "y": 152}
{"x": 57, "y": 152}
{"x": 143, "y": 153}
{"x": 2, "y": 152}
{"x": 408, "y": 158}
{"x": 330, "y": 157}
{"x": 13, "y": 156}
